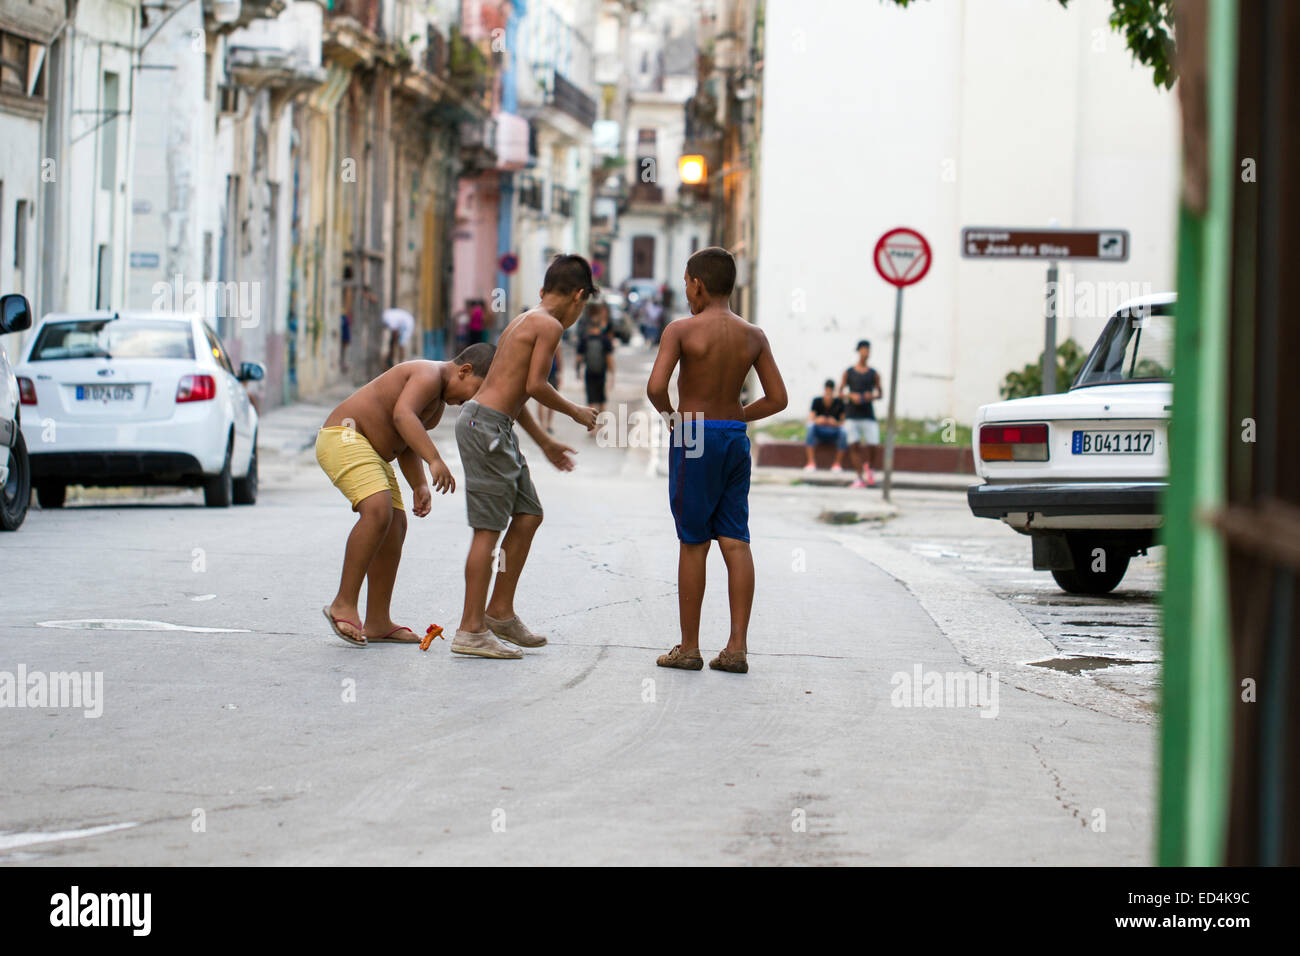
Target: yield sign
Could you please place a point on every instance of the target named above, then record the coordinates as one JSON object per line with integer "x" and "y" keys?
{"x": 902, "y": 257}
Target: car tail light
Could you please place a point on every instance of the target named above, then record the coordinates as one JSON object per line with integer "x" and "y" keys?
{"x": 26, "y": 391}
{"x": 1013, "y": 443}
{"x": 196, "y": 388}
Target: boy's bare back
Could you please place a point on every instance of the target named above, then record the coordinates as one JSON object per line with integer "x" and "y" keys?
{"x": 717, "y": 349}
{"x": 369, "y": 410}
{"x": 506, "y": 386}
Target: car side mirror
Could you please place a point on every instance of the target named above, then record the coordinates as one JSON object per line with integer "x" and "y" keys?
{"x": 15, "y": 313}
{"x": 251, "y": 372}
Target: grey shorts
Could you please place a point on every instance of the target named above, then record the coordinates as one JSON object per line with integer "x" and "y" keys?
{"x": 497, "y": 482}
{"x": 862, "y": 431}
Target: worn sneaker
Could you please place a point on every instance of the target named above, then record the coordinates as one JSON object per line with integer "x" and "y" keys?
{"x": 871, "y": 479}
{"x": 675, "y": 658}
{"x": 837, "y": 467}
{"x": 734, "y": 662}
{"x": 513, "y": 630}
{"x": 809, "y": 467}
{"x": 858, "y": 483}
{"x": 483, "y": 644}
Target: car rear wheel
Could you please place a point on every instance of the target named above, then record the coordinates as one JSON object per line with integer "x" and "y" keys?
{"x": 51, "y": 494}
{"x": 246, "y": 487}
{"x": 219, "y": 490}
{"x": 1098, "y": 568}
{"x": 17, "y": 492}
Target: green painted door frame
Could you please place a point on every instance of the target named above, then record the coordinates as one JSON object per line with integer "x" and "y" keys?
{"x": 1195, "y": 764}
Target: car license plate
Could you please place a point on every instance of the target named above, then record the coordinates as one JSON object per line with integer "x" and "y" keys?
{"x": 1113, "y": 443}
{"x": 105, "y": 393}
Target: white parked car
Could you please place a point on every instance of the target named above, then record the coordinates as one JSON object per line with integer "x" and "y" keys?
{"x": 15, "y": 474}
{"x": 141, "y": 398}
{"x": 1083, "y": 472}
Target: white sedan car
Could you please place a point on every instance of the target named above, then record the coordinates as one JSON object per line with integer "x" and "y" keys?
{"x": 1082, "y": 472}
{"x": 137, "y": 399}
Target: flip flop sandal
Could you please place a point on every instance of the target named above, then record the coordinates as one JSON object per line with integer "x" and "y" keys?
{"x": 334, "y": 626}
{"x": 389, "y": 639}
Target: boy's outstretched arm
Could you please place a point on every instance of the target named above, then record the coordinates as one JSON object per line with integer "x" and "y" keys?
{"x": 556, "y": 452}
{"x": 769, "y": 376}
{"x": 538, "y": 383}
{"x": 422, "y": 387}
{"x": 670, "y": 352}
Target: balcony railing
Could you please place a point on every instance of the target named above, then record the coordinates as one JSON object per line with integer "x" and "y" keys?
{"x": 569, "y": 99}
{"x": 530, "y": 191}
{"x": 562, "y": 201}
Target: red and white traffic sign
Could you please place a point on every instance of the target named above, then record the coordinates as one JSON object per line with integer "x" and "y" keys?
{"x": 902, "y": 257}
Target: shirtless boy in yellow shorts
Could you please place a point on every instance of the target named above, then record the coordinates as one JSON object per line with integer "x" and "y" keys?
{"x": 385, "y": 419}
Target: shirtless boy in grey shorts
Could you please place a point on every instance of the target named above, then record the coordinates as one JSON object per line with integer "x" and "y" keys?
{"x": 499, "y": 490}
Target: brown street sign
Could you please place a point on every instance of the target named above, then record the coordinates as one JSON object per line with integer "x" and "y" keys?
{"x": 1105, "y": 245}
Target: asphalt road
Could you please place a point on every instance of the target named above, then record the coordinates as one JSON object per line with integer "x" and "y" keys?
{"x": 255, "y": 736}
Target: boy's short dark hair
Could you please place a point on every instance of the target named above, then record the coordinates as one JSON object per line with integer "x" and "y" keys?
{"x": 478, "y": 356}
{"x": 829, "y": 383}
{"x": 568, "y": 273}
{"x": 715, "y": 267}
{"x": 864, "y": 344}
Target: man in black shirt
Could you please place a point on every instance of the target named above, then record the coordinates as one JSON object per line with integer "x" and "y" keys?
{"x": 596, "y": 357}
{"x": 861, "y": 385}
{"x": 826, "y": 427}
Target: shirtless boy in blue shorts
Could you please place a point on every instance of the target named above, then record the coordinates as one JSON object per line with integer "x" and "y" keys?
{"x": 708, "y": 465}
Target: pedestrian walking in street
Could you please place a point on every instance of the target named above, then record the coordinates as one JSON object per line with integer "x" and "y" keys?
{"x": 401, "y": 326}
{"x": 709, "y": 460}
{"x": 385, "y": 419}
{"x": 860, "y": 384}
{"x": 595, "y": 360}
{"x": 826, "y": 427}
{"x": 345, "y": 317}
{"x": 499, "y": 491}
{"x": 477, "y": 319}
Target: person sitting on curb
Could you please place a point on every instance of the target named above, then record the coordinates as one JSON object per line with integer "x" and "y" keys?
{"x": 826, "y": 427}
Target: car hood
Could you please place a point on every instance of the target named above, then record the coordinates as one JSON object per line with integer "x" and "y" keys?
{"x": 1119, "y": 401}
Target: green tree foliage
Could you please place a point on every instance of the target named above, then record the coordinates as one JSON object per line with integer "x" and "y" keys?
{"x": 1029, "y": 380}
{"x": 1148, "y": 30}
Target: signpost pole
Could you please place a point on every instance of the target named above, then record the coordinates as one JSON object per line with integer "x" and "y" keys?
{"x": 893, "y": 394}
{"x": 1049, "y": 346}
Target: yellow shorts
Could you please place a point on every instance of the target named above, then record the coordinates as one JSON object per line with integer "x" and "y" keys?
{"x": 354, "y": 466}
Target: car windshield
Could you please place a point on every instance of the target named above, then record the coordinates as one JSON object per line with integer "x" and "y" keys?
{"x": 114, "y": 338}
{"x": 1136, "y": 345}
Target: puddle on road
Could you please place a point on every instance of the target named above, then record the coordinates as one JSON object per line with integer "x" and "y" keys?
{"x": 1075, "y": 665}
{"x": 850, "y": 517}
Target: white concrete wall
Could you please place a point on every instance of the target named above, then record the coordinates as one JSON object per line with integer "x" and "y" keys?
{"x": 20, "y": 172}
{"x": 173, "y": 137}
{"x": 99, "y": 40}
{"x": 942, "y": 115}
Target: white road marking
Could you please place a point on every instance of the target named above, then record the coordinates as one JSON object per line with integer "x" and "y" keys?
{"x": 132, "y": 624}
{"x": 9, "y": 841}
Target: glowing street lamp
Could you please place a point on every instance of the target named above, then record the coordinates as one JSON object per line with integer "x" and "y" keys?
{"x": 693, "y": 169}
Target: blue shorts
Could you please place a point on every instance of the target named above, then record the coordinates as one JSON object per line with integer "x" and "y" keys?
{"x": 708, "y": 480}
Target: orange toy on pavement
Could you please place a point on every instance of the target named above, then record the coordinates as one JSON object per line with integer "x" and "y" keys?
{"x": 433, "y": 631}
